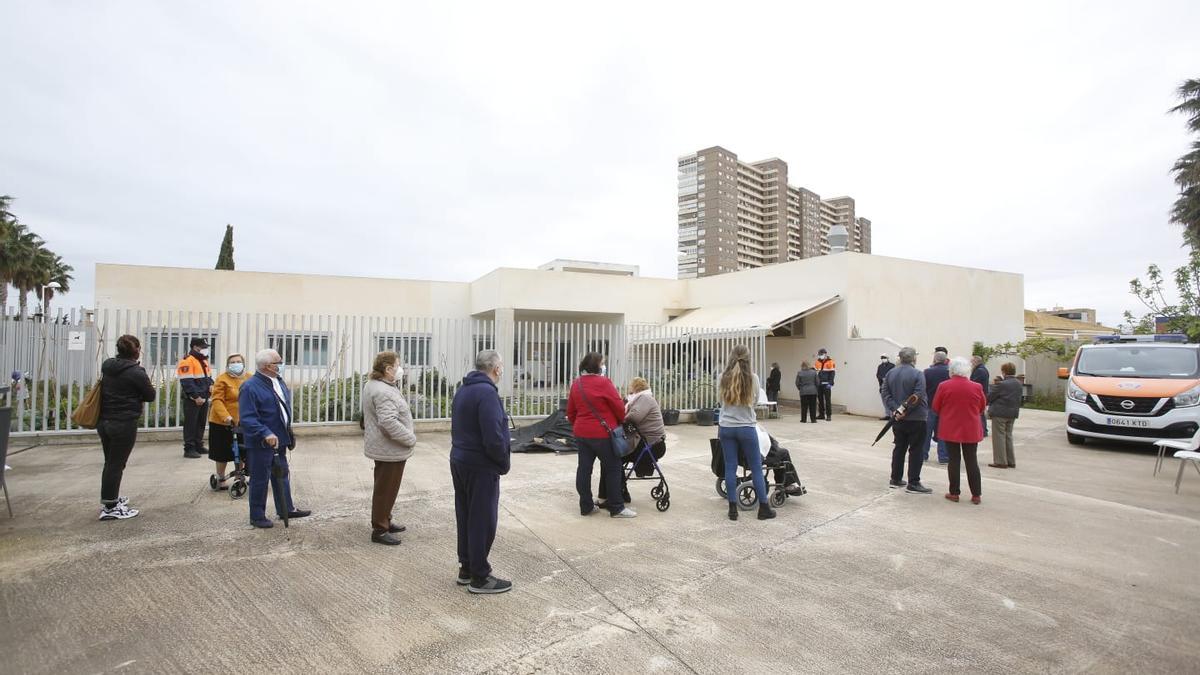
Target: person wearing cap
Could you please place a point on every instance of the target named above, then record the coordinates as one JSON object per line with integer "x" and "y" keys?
{"x": 826, "y": 369}
{"x": 885, "y": 365}
{"x": 195, "y": 382}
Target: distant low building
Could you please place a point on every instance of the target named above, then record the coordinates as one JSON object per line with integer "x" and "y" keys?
{"x": 1052, "y": 324}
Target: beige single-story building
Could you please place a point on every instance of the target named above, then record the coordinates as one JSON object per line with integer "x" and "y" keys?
{"x": 855, "y": 305}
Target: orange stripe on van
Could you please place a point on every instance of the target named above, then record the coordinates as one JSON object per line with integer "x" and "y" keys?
{"x": 1133, "y": 387}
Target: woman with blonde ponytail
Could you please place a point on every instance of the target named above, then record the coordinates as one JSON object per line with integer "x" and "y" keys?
{"x": 738, "y": 430}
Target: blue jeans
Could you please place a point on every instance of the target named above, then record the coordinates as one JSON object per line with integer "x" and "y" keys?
{"x": 743, "y": 440}
{"x": 260, "y": 460}
{"x": 942, "y": 455}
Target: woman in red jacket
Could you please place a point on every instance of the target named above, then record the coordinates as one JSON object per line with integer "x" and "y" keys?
{"x": 594, "y": 408}
{"x": 958, "y": 403}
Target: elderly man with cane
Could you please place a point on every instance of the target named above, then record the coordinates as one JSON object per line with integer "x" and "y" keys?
{"x": 266, "y": 408}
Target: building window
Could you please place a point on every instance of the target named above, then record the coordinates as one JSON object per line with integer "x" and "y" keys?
{"x": 301, "y": 349}
{"x": 414, "y": 349}
{"x": 166, "y": 348}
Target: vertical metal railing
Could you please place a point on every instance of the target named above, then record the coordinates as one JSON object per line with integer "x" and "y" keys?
{"x": 330, "y": 356}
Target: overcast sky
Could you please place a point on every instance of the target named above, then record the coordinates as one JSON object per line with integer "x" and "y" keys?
{"x": 442, "y": 140}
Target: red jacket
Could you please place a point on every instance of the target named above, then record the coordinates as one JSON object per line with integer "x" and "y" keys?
{"x": 958, "y": 403}
{"x": 604, "y": 398}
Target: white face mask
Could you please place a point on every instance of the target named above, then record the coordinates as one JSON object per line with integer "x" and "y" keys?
{"x": 204, "y": 351}
{"x": 604, "y": 369}
{"x": 398, "y": 374}
{"x": 237, "y": 368}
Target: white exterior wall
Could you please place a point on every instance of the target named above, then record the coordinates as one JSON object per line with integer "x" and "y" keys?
{"x": 890, "y": 302}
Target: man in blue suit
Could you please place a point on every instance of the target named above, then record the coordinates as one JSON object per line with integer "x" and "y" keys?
{"x": 265, "y": 405}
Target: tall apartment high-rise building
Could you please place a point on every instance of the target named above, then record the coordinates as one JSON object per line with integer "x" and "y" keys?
{"x": 736, "y": 215}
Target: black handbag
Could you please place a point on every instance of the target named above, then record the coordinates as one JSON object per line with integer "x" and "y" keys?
{"x": 620, "y": 444}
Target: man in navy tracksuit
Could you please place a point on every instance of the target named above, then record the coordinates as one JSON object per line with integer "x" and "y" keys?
{"x": 479, "y": 455}
{"x": 265, "y": 405}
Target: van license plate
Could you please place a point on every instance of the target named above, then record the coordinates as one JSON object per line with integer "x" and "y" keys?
{"x": 1123, "y": 422}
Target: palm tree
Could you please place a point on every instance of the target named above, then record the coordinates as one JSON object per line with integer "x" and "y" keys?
{"x": 15, "y": 255}
{"x": 1186, "y": 211}
{"x": 32, "y": 269}
{"x": 60, "y": 276}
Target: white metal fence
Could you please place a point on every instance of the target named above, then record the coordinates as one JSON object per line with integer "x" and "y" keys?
{"x": 328, "y": 358}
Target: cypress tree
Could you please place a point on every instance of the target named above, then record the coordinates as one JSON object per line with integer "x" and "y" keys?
{"x": 225, "y": 258}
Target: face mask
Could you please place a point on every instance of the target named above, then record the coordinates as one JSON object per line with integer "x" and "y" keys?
{"x": 237, "y": 368}
{"x": 204, "y": 351}
{"x": 604, "y": 370}
{"x": 399, "y": 374}
{"x": 279, "y": 370}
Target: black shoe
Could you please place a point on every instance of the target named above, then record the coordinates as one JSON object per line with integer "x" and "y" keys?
{"x": 765, "y": 512}
{"x": 299, "y": 513}
{"x": 795, "y": 490}
{"x": 896, "y": 484}
{"x": 490, "y": 585}
{"x": 385, "y": 538}
{"x": 203, "y": 451}
{"x": 264, "y": 523}
{"x": 733, "y": 509}
{"x": 464, "y": 576}
{"x": 917, "y": 488}
{"x": 191, "y": 454}
{"x": 395, "y": 529}
{"x": 828, "y": 419}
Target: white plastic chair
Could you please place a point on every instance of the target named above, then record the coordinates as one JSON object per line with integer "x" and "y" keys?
{"x": 1190, "y": 446}
{"x": 1185, "y": 456}
{"x": 763, "y": 402}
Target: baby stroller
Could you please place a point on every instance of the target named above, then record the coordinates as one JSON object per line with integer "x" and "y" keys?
{"x": 778, "y": 459}
{"x": 239, "y": 486}
{"x": 661, "y": 493}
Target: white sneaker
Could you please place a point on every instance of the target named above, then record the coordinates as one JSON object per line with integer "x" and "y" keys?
{"x": 118, "y": 512}
{"x": 625, "y": 513}
{"x": 122, "y": 501}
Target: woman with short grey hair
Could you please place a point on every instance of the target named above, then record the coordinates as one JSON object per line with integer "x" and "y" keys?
{"x": 958, "y": 403}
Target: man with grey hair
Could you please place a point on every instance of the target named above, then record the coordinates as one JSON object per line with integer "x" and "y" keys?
{"x": 908, "y": 431}
{"x": 265, "y": 406}
{"x": 479, "y": 455}
{"x": 936, "y": 374}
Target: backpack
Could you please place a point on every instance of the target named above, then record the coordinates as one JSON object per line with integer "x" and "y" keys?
{"x": 87, "y": 415}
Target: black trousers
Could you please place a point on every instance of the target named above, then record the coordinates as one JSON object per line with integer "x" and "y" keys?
{"x": 117, "y": 439}
{"x": 808, "y": 407}
{"x": 589, "y": 450}
{"x": 824, "y": 407}
{"x": 908, "y": 435}
{"x": 777, "y": 455}
{"x": 194, "y": 419}
{"x": 958, "y": 453}
{"x": 476, "y": 510}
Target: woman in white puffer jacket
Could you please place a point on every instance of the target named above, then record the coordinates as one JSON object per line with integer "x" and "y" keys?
{"x": 388, "y": 439}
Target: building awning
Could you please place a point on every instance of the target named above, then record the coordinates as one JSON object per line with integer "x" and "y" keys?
{"x": 767, "y": 315}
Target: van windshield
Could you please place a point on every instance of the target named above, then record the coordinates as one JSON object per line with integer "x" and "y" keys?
{"x": 1134, "y": 361}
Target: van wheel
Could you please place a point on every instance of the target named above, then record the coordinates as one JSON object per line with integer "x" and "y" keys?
{"x": 1075, "y": 439}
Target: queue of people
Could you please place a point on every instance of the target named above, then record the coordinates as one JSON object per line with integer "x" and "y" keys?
{"x": 253, "y": 412}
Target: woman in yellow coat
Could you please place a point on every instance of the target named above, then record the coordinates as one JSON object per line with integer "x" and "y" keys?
{"x": 223, "y": 418}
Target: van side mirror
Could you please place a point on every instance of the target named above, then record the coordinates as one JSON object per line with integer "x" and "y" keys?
{"x": 1064, "y": 373}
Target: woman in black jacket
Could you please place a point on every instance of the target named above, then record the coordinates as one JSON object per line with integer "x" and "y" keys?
{"x": 1004, "y": 406}
{"x": 773, "y": 380}
{"x": 124, "y": 388}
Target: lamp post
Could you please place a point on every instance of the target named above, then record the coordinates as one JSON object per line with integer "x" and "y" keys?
{"x": 46, "y": 300}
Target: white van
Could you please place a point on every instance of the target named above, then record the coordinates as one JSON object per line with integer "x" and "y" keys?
{"x": 1133, "y": 388}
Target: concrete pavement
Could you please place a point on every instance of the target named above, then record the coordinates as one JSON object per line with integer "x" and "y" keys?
{"x": 1079, "y": 560}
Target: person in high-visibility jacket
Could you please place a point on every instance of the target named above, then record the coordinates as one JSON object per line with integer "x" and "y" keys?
{"x": 826, "y": 369}
{"x": 195, "y": 383}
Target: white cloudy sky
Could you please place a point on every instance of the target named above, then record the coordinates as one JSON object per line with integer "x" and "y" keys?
{"x": 441, "y": 140}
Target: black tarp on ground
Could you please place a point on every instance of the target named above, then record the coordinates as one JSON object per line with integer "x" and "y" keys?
{"x": 553, "y": 434}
